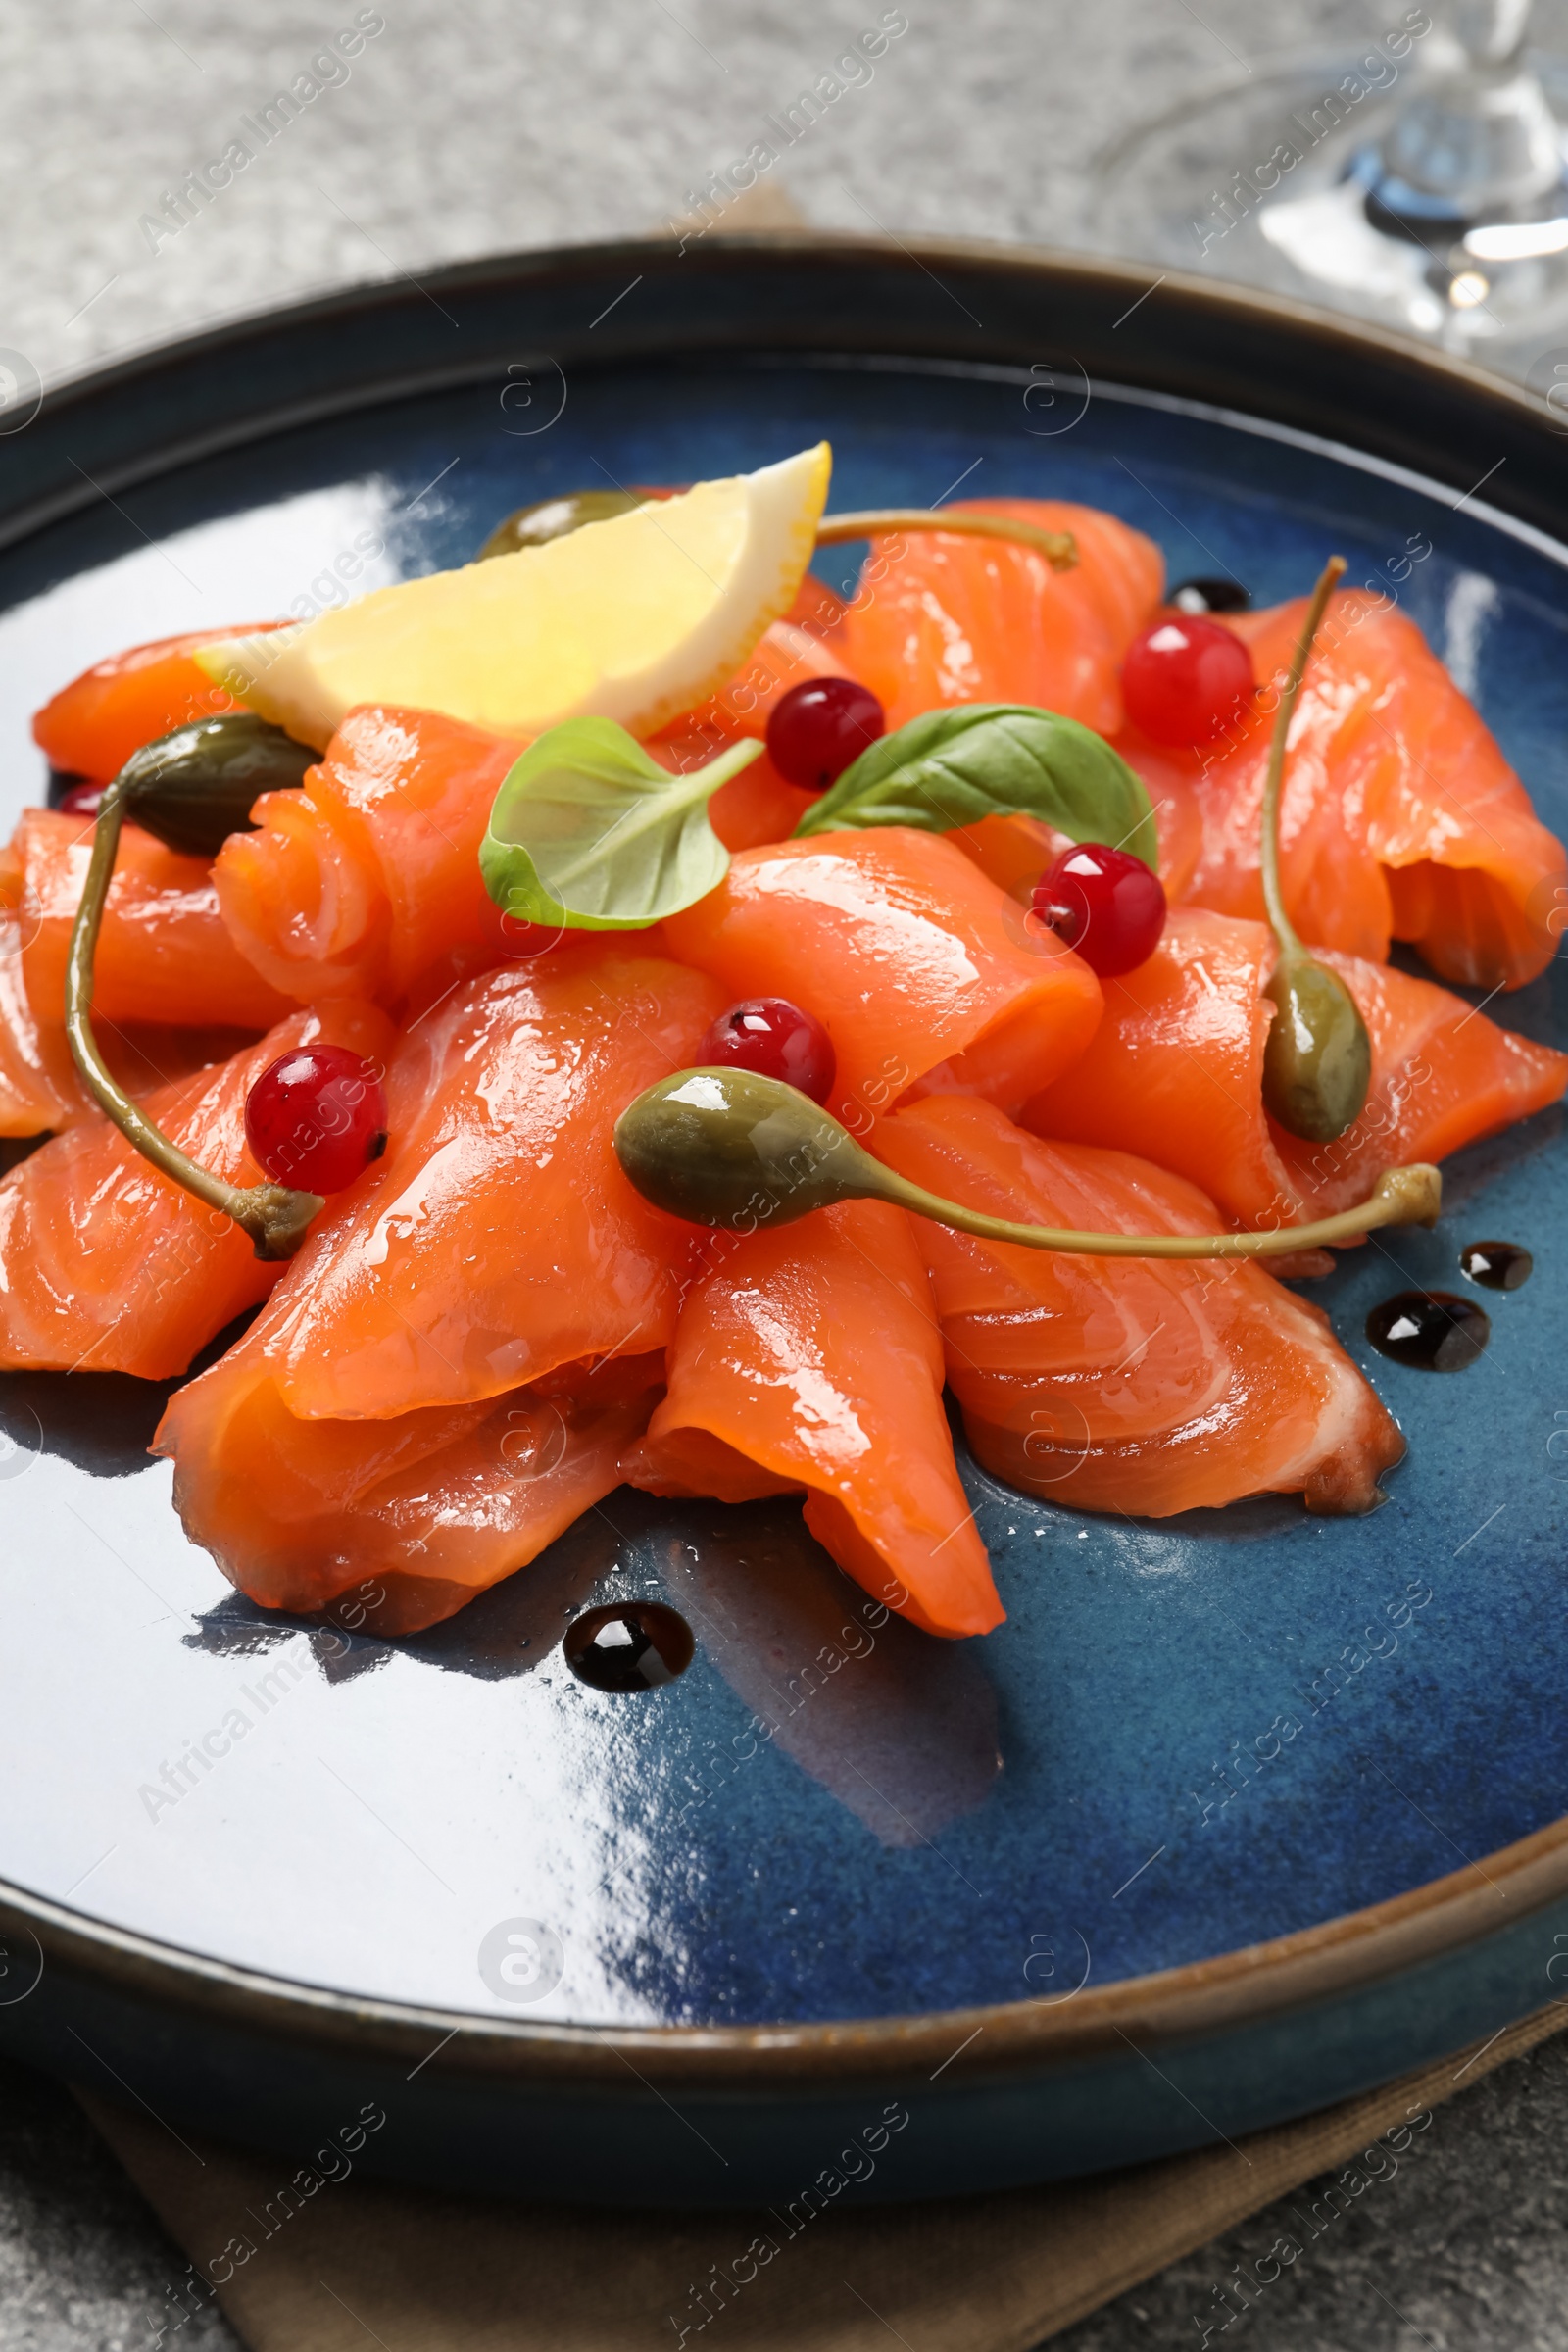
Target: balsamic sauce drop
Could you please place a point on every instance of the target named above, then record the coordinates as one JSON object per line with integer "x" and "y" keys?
{"x": 1498, "y": 1266}
{"x": 628, "y": 1645}
{"x": 1432, "y": 1331}
{"x": 1210, "y": 596}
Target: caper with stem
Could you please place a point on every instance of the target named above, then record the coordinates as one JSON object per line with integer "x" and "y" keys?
{"x": 732, "y": 1148}
{"x": 1317, "y": 1060}
{"x": 555, "y": 517}
{"x": 192, "y": 789}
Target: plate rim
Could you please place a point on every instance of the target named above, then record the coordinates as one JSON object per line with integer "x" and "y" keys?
{"x": 1248, "y": 1986}
{"x": 1252, "y": 1984}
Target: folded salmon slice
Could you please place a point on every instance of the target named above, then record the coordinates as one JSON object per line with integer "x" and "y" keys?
{"x": 940, "y": 619}
{"x": 91, "y": 727}
{"x": 39, "y": 1089}
{"x": 1139, "y": 1386}
{"x": 918, "y": 965}
{"x": 1176, "y": 1072}
{"x": 808, "y": 1359}
{"x": 106, "y": 1265}
{"x": 163, "y": 954}
{"x": 498, "y": 1238}
{"x": 1399, "y": 818}
{"x": 409, "y": 1518}
{"x": 368, "y": 874}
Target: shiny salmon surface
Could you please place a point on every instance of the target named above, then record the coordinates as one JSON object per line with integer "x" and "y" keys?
{"x": 917, "y": 964}
{"x": 498, "y": 1238}
{"x": 366, "y": 876}
{"x": 107, "y": 1266}
{"x": 1400, "y": 816}
{"x": 403, "y": 1520}
{"x": 808, "y": 1359}
{"x": 1139, "y": 1386}
{"x": 91, "y": 726}
{"x": 163, "y": 953}
{"x": 1176, "y": 1068}
{"x": 39, "y": 1089}
{"x": 941, "y": 619}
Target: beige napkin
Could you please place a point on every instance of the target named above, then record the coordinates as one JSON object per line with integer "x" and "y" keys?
{"x": 421, "y": 2272}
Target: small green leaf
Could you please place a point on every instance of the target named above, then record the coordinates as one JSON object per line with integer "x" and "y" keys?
{"x": 954, "y": 767}
{"x": 589, "y": 832}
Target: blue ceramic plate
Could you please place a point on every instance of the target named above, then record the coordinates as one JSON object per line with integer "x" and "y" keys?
{"x": 1190, "y": 1739}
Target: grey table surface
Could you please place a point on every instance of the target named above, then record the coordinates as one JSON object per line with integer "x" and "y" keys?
{"x": 472, "y": 125}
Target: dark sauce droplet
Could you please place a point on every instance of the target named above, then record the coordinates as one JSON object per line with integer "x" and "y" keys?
{"x": 1498, "y": 1266}
{"x": 1434, "y": 1331}
{"x": 1210, "y": 596}
{"x": 629, "y": 1645}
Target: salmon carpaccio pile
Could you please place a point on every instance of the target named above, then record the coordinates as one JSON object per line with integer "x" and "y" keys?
{"x": 489, "y": 1330}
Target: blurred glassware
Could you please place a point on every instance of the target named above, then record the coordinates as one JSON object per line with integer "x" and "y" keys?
{"x": 1419, "y": 182}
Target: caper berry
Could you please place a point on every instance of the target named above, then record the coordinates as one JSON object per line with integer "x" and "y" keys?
{"x": 192, "y": 789}
{"x": 557, "y": 518}
{"x": 1318, "y": 1062}
{"x": 736, "y": 1149}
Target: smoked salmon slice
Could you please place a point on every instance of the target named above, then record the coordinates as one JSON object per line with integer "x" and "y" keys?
{"x": 91, "y": 727}
{"x": 1176, "y": 1072}
{"x": 163, "y": 954}
{"x": 921, "y": 968}
{"x": 941, "y": 619}
{"x": 39, "y": 1089}
{"x": 808, "y": 1359}
{"x": 364, "y": 877}
{"x": 107, "y": 1266}
{"x": 498, "y": 1238}
{"x": 413, "y": 1516}
{"x": 1139, "y": 1386}
{"x": 1400, "y": 816}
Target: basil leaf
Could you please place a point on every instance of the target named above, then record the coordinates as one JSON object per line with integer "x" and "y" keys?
{"x": 954, "y": 767}
{"x": 589, "y": 832}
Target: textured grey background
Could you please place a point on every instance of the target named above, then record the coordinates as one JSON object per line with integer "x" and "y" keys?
{"x": 469, "y": 126}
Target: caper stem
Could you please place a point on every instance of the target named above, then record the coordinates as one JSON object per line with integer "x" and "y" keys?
{"x": 1412, "y": 1196}
{"x": 737, "y": 1151}
{"x": 1060, "y": 548}
{"x": 1290, "y": 946}
{"x": 274, "y": 1217}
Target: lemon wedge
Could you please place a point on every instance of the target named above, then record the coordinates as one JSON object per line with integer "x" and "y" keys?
{"x": 635, "y": 620}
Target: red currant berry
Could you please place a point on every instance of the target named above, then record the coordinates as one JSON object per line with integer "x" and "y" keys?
{"x": 84, "y": 798}
{"x": 1184, "y": 678}
{"x": 778, "y": 1039}
{"x": 1106, "y": 904}
{"x": 818, "y": 728}
{"x": 316, "y": 1117}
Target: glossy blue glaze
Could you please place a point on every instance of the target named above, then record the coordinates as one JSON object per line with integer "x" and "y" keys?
{"x": 869, "y": 1859}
